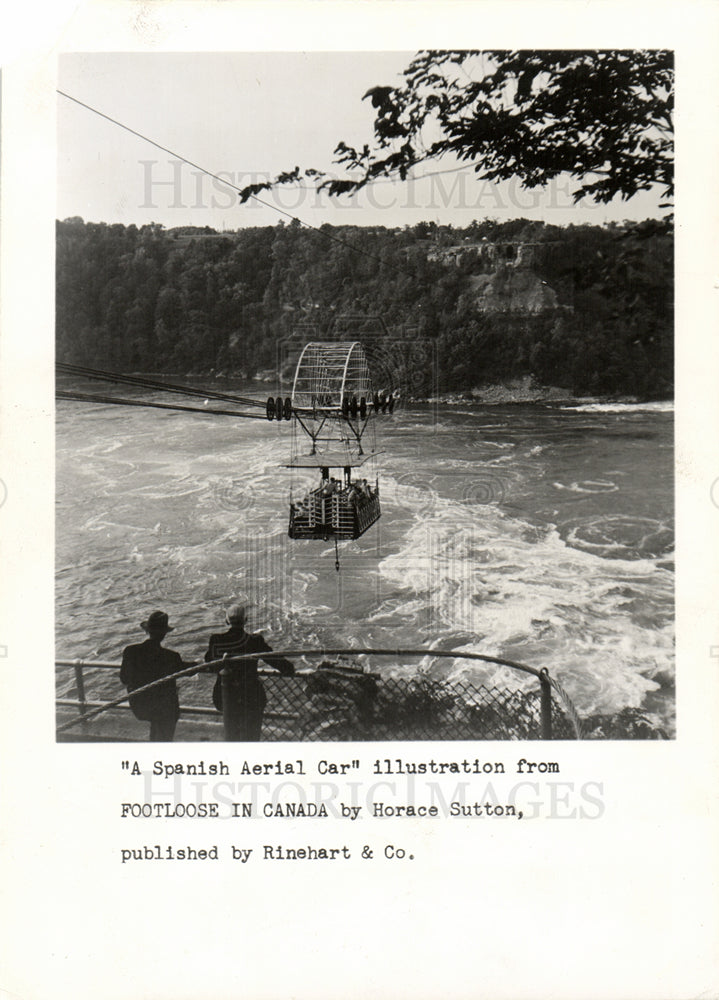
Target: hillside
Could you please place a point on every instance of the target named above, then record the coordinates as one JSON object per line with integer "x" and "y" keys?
{"x": 587, "y": 309}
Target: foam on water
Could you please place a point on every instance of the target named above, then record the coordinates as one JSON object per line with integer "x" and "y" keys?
{"x": 664, "y": 406}
{"x": 588, "y": 486}
{"x": 475, "y": 549}
{"x": 530, "y": 596}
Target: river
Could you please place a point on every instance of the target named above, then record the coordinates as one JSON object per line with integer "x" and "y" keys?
{"x": 539, "y": 533}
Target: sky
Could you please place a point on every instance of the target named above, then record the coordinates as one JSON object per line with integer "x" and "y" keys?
{"x": 247, "y": 117}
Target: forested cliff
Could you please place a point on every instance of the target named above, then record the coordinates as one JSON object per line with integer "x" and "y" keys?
{"x": 586, "y": 308}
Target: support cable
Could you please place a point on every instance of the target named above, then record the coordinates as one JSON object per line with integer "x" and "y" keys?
{"x": 86, "y": 397}
{"x": 148, "y": 383}
{"x": 321, "y": 232}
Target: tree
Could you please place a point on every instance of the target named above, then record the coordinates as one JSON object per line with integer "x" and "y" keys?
{"x": 608, "y": 327}
{"x": 603, "y": 117}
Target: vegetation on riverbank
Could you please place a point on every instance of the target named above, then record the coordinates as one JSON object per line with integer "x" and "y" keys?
{"x": 585, "y": 309}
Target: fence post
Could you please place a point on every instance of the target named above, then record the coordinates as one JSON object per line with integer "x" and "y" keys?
{"x": 80, "y": 687}
{"x": 230, "y": 706}
{"x": 546, "y": 704}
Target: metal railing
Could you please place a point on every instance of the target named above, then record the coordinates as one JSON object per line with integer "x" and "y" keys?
{"x": 336, "y": 702}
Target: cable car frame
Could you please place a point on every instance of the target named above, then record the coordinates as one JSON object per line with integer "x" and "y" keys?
{"x": 333, "y": 403}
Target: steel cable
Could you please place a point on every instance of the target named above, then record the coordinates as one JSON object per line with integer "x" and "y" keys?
{"x": 147, "y": 383}
{"x": 86, "y": 397}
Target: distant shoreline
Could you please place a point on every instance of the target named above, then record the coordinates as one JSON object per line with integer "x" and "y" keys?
{"x": 512, "y": 390}
{"x": 527, "y": 390}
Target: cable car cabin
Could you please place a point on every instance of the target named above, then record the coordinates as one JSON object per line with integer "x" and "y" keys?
{"x": 338, "y": 508}
{"x": 333, "y": 406}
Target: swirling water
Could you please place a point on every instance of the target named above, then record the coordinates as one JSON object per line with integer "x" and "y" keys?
{"x": 533, "y": 532}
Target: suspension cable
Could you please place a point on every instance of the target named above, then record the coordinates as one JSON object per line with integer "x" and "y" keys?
{"x": 308, "y": 225}
{"x": 149, "y": 383}
{"x": 86, "y": 397}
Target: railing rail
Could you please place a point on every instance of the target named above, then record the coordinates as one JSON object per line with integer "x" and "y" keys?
{"x": 91, "y": 709}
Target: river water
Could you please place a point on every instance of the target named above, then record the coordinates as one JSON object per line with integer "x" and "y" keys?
{"x": 537, "y": 533}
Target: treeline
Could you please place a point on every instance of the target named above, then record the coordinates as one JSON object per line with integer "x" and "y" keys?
{"x": 198, "y": 301}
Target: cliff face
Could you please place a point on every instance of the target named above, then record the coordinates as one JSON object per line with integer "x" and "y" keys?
{"x": 512, "y": 289}
{"x": 507, "y": 282}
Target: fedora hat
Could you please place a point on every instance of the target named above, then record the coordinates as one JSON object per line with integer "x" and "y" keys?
{"x": 157, "y": 620}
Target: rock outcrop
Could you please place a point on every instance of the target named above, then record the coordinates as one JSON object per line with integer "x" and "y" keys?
{"x": 512, "y": 290}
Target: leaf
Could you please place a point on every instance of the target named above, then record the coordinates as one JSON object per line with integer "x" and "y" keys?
{"x": 335, "y": 187}
{"x": 253, "y": 189}
{"x": 379, "y": 96}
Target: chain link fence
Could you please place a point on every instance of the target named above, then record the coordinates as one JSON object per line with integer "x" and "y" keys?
{"x": 337, "y": 706}
{"x": 334, "y": 703}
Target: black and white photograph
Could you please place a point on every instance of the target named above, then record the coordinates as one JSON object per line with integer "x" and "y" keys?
{"x": 359, "y": 500}
{"x": 365, "y": 360}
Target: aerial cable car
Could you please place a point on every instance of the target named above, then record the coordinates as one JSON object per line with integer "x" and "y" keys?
{"x": 332, "y": 407}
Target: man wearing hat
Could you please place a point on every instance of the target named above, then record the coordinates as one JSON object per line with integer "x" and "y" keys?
{"x": 244, "y": 720}
{"x": 146, "y": 662}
